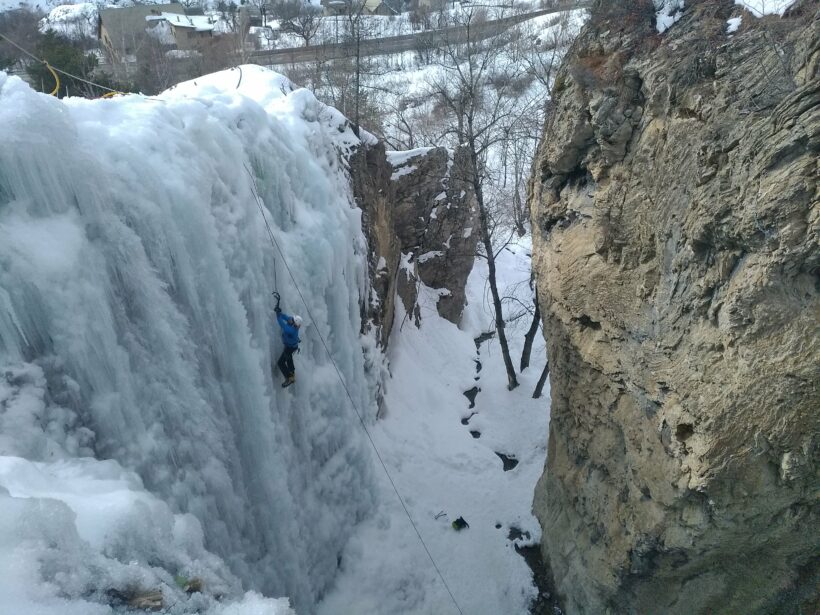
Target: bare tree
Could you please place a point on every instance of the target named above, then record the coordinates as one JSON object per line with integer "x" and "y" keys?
{"x": 478, "y": 87}
{"x": 299, "y": 18}
{"x": 402, "y": 125}
{"x": 229, "y": 12}
{"x": 541, "y": 47}
{"x": 529, "y": 336}
{"x": 542, "y": 380}
{"x": 156, "y": 71}
{"x": 357, "y": 31}
{"x": 20, "y": 25}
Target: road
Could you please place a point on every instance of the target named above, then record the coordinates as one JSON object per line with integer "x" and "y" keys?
{"x": 397, "y": 44}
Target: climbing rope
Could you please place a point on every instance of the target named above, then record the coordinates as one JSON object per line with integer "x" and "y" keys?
{"x": 275, "y": 244}
{"x": 56, "y": 79}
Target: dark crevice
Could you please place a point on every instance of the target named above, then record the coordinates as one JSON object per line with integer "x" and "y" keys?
{"x": 547, "y": 601}
{"x": 471, "y": 395}
{"x": 587, "y": 323}
{"x": 684, "y": 431}
{"x": 508, "y": 461}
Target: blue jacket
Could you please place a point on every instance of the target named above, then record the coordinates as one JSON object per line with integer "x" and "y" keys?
{"x": 290, "y": 334}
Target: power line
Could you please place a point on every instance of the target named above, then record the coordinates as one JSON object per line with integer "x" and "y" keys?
{"x": 347, "y": 391}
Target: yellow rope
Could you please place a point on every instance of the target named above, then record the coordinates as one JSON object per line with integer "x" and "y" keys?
{"x": 56, "y": 78}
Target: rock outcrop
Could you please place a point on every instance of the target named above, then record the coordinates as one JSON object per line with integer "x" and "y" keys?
{"x": 420, "y": 221}
{"x": 675, "y": 218}
{"x": 435, "y": 217}
{"x": 370, "y": 178}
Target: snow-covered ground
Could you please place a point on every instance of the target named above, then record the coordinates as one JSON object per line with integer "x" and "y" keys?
{"x": 402, "y": 81}
{"x": 443, "y": 472}
{"x": 47, "y": 5}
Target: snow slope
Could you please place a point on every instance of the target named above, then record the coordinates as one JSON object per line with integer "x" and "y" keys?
{"x": 136, "y": 326}
{"x": 443, "y": 472}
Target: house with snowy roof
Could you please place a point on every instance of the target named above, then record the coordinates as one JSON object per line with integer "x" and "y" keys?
{"x": 367, "y": 7}
{"x": 379, "y": 7}
{"x": 189, "y": 31}
{"x": 122, "y": 30}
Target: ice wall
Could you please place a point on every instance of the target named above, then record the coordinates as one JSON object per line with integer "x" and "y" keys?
{"x": 136, "y": 317}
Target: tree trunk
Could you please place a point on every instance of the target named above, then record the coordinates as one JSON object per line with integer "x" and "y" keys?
{"x": 358, "y": 81}
{"x": 541, "y": 381}
{"x": 512, "y": 381}
{"x": 529, "y": 337}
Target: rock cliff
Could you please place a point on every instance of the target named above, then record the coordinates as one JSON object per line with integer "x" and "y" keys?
{"x": 420, "y": 221}
{"x": 373, "y": 191}
{"x": 675, "y": 219}
{"x": 436, "y": 221}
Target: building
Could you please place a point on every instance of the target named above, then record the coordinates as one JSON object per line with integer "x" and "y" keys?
{"x": 335, "y": 7}
{"x": 189, "y": 31}
{"x": 121, "y": 30}
{"x": 252, "y": 16}
{"x": 367, "y": 7}
{"x": 379, "y": 7}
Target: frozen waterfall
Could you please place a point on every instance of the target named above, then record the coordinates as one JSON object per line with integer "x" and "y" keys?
{"x": 137, "y": 327}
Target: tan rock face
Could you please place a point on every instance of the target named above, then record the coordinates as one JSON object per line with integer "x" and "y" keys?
{"x": 370, "y": 178}
{"x": 675, "y": 220}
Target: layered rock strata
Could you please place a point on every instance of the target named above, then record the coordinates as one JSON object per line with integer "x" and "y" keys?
{"x": 675, "y": 218}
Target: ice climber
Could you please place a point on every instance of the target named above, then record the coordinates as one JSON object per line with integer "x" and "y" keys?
{"x": 290, "y": 337}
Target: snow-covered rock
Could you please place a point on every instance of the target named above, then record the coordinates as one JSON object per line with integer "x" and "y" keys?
{"x": 668, "y": 12}
{"x": 759, "y": 8}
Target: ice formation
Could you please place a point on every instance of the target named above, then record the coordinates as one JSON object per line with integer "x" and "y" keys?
{"x": 137, "y": 339}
